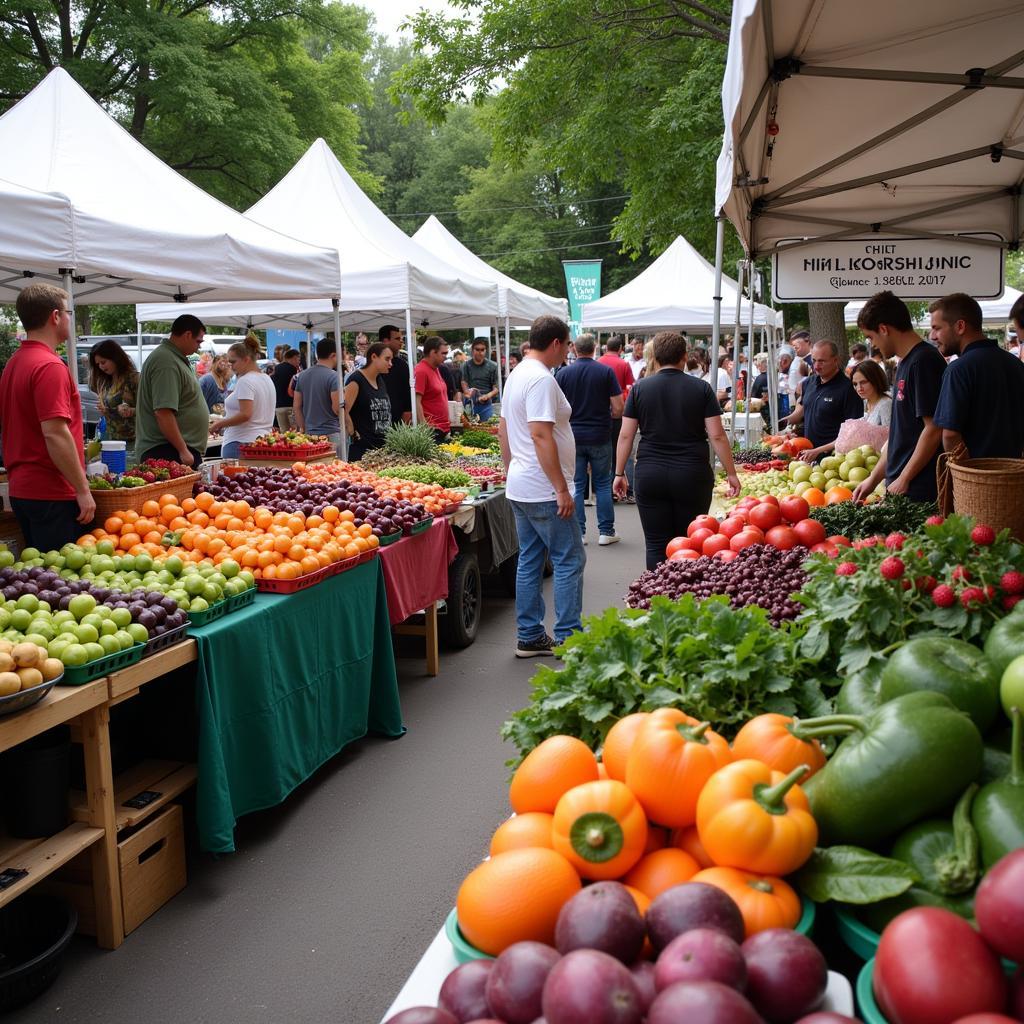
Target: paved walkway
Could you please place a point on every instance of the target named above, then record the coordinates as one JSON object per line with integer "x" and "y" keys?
{"x": 333, "y": 896}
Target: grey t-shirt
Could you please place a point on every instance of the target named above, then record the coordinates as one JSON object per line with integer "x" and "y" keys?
{"x": 316, "y": 385}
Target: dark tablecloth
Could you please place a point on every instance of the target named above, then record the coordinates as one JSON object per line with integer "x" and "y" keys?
{"x": 493, "y": 536}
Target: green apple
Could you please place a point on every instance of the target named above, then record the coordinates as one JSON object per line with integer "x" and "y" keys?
{"x": 92, "y": 619}
{"x": 817, "y": 479}
{"x": 120, "y": 617}
{"x": 81, "y": 605}
{"x": 37, "y": 638}
{"x": 198, "y": 604}
{"x": 138, "y": 632}
{"x": 5, "y": 618}
{"x": 28, "y": 554}
{"x": 28, "y": 601}
{"x": 178, "y": 595}
{"x": 166, "y": 578}
{"x": 230, "y": 568}
{"x": 74, "y": 655}
{"x": 174, "y": 565}
{"x": 844, "y": 471}
{"x": 6, "y": 559}
{"x": 871, "y": 461}
{"x": 94, "y": 651}
{"x": 53, "y": 559}
{"x": 212, "y": 593}
{"x": 124, "y": 639}
{"x": 110, "y": 644}
{"x": 859, "y": 473}
{"x": 143, "y": 562}
{"x": 58, "y": 618}
{"x": 801, "y": 472}
{"x": 804, "y": 485}
{"x": 250, "y": 580}
{"x": 866, "y": 449}
{"x": 108, "y": 627}
{"x": 21, "y": 619}
{"x": 70, "y": 627}
{"x": 75, "y": 559}
{"x": 128, "y": 563}
{"x": 42, "y": 627}
{"x": 105, "y": 547}
{"x": 193, "y": 585}
{"x": 855, "y": 458}
{"x": 87, "y": 634}
{"x": 57, "y": 646}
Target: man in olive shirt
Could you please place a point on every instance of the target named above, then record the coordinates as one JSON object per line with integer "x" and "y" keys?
{"x": 480, "y": 380}
{"x": 172, "y": 420}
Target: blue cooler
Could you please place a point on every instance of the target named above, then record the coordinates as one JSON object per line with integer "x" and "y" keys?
{"x": 115, "y": 455}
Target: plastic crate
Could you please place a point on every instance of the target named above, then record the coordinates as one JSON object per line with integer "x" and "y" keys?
{"x": 422, "y": 526}
{"x": 310, "y": 579}
{"x": 79, "y": 675}
{"x": 26, "y": 698}
{"x": 221, "y": 608}
{"x": 159, "y": 643}
{"x": 284, "y": 452}
{"x": 391, "y": 538}
{"x": 367, "y": 556}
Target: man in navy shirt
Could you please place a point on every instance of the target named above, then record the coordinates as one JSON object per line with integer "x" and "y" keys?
{"x": 909, "y": 457}
{"x": 981, "y": 404}
{"x": 828, "y": 399}
{"x": 595, "y": 395}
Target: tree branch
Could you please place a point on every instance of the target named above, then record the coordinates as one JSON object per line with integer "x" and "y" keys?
{"x": 37, "y": 37}
{"x": 91, "y": 20}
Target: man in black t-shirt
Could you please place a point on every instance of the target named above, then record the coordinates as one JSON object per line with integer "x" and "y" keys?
{"x": 396, "y": 380}
{"x": 909, "y": 458}
{"x": 828, "y": 399}
{"x": 284, "y": 374}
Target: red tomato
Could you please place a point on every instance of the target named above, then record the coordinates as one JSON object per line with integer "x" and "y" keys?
{"x": 726, "y": 555}
{"x": 809, "y": 531}
{"x": 771, "y": 499}
{"x": 794, "y": 509}
{"x": 701, "y": 535}
{"x": 781, "y": 537}
{"x": 829, "y": 549}
{"x": 986, "y": 1018}
{"x": 755, "y": 531}
{"x": 740, "y": 513}
{"x": 838, "y": 538}
{"x": 765, "y": 515}
{"x": 742, "y": 540}
{"x": 703, "y": 523}
{"x": 747, "y": 502}
{"x": 683, "y": 555}
{"x": 732, "y": 526}
{"x": 932, "y": 967}
{"x": 674, "y": 545}
{"x": 715, "y": 543}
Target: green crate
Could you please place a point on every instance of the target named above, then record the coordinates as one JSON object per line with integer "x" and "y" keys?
{"x": 222, "y": 608}
{"x": 79, "y": 675}
{"x": 861, "y": 939}
{"x": 391, "y": 538}
{"x": 421, "y": 527}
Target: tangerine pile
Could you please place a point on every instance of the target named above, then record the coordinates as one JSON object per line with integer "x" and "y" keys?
{"x": 273, "y": 545}
{"x": 432, "y": 497}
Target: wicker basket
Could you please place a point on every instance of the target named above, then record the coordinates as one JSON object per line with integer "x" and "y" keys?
{"x": 124, "y": 499}
{"x": 990, "y": 491}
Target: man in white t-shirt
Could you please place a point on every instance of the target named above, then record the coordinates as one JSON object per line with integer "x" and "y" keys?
{"x": 539, "y": 453}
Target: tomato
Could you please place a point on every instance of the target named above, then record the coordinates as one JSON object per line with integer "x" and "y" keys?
{"x": 765, "y": 516}
{"x": 715, "y": 543}
{"x": 726, "y": 555}
{"x": 781, "y": 537}
{"x": 771, "y": 500}
{"x": 986, "y": 1018}
{"x": 933, "y": 967}
{"x": 755, "y": 531}
{"x": 699, "y": 536}
{"x": 809, "y": 532}
{"x": 742, "y": 540}
{"x": 748, "y": 502}
{"x": 731, "y": 527}
{"x": 740, "y": 513}
{"x": 838, "y": 538}
{"x": 794, "y": 509}
{"x": 829, "y": 549}
{"x": 683, "y": 555}
{"x": 703, "y": 523}
{"x": 674, "y": 545}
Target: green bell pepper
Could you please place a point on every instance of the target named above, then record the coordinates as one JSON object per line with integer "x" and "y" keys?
{"x": 878, "y": 915}
{"x": 859, "y": 694}
{"x": 909, "y": 758}
{"x": 1006, "y": 639}
{"x": 999, "y": 808}
{"x": 944, "y": 665}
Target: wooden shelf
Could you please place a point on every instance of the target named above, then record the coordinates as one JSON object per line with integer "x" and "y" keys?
{"x": 41, "y": 857}
{"x": 60, "y": 705}
{"x": 126, "y": 683}
{"x": 168, "y": 778}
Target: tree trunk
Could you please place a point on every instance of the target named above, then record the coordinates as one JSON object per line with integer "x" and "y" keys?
{"x": 827, "y": 324}
{"x": 83, "y": 314}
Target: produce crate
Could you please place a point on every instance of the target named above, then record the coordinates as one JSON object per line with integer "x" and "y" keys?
{"x": 221, "y": 608}
{"x": 283, "y": 452}
{"x": 158, "y": 643}
{"x": 367, "y": 556}
{"x": 344, "y": 565}
{"x": 292, "y": 586}
{"x": 131, "y": 499}
{"x": 79, "y": 675}
{"x": 450, "y": 510}
{"x": 26, "y": 698}
{"x": 152, "y": 863}
{"x": 391, "y": 538}
{"x": 858, "y": 937}
{"x": 420, "y": 527}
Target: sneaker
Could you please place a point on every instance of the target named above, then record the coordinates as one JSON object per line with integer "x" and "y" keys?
{"x": 589, "y": 502}
{"x": 584, "y": 540}
{"x": 539, "y": 648}
{"x": 608, "y": 538}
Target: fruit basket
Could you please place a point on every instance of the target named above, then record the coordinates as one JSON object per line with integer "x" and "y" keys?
{"x": 390, "y": 538}
{"x": 284, "y": 452}
{"x": 420, "y": 527}
{"x": 26, "y": 698}
{"x": 79, "y": 675}
{"x": 310, "y": 579}
{"x": 131, "y": 499}
{"x": 221, "y": 608}
{"x": 159, "y": 643}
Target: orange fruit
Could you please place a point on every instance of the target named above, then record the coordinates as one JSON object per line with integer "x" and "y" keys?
{"x": 522, "y": 831}
{"x": 308, "y": 564}
{"x": 814, "y": 497}
{"x": 204, "y": 500}
{"x": 129, "y": 540}
{"x": 167, "y": 499}
{"x": 660, "y": 870}
{"x": 551, "y": 769}
{"x": 515, "y": 897}
{"x": 113, "y": 524}
{"x": 153, "y": 537}
{"x": 331, "y": 513}
{"x": 619, "y": 742}
{"x": 151, "y": 508}
{"x": 170, "y": 511}
{"x": 837, "y": 494}
{"x": 189, "y": 505}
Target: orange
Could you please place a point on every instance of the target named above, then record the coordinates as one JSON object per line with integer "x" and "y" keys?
{"x": 266, "y": 558}
{"x": 660, "y": 870}
{"x": 365, "y": 530}
{"x": 170, "y": 511}
{"x": 814, "y": 497}
{"x": 522, "y": 831}
{"x": 263, "y": 518}
{"x": 837, "y": 494}
{"x": 153, "y": 537}
{"x": 348, "y": 515}
{"x": 515, "y": 897}
{"x": 151, "y": 508}
{"x": 130, "y": 516}
{"x": 374, "y": 542}
{"x": 288, "y": 571}
{"x": 167, "y": 499}
{"x": 331, "y": 513}
{"x": 310, "y": 563}
{"x": 178, "y": 523}
{"x": 269, "y": 572}
{"x": 204, "y": 499}
{"x": 113, "y": 524}
{"x": 189, "y": 505}
{"x": 129, "y": 540}
{"x": 549, "y": 770}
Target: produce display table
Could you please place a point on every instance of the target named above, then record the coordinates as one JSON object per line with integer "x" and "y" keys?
{"x": 286, "y": 464}
{"x": 282, "y": 686}
{"x": 489, "y": 524}
{"x": 423, "y": 985}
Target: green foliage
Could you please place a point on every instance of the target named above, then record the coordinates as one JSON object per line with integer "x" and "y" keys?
{"x": 479, "y": 439}
{"x": 8, "y": 341}
{"x": 895, "y": 514}
{"x": 416, "y": 441}
{"x": 717, "y": 664}
{"x": 429, "y": 475}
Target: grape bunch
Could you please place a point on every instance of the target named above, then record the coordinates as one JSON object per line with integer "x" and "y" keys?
{"x": 752, "y": 456}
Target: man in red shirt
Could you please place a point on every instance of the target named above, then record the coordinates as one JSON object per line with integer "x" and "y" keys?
{"x": 431, "y": 390}
{"x": 41, "y": 420}
{"x": 624, "y": 375}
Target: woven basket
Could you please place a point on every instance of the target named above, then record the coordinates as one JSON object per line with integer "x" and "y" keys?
{"x": 990, "y": 491}
{"x": 124, "y": 499}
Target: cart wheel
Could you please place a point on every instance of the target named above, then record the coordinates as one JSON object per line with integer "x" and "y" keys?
{"x": 459, "y": 625}
{"x": 507, "y": 573}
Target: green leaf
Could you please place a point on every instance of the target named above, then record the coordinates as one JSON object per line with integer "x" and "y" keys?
{"x": 848, "y": 874}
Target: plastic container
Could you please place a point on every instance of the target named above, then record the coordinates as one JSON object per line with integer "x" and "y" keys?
{"x": 115, "y": 455}
{"x": 310, "y": 579}
{"x": 79, "y": 675}
{"x": 37, "y": 805}
{"x": 391, "y": 538}
{"x": 158, "y": 643}
{"x": 26, "y": 698}
{"x": 420, "y": 527}
{"x": 866, "y": 1004}
{"x": 858, "y": 937}
{"x": 221, "y": 608}
{"x": 35, "y": 929}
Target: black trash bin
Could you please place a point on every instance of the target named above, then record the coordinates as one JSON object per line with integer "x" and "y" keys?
{"x": 35, "y": 799}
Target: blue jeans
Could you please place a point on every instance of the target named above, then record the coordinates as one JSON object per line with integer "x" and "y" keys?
{"x": 230, "y": 450}
{"x": 599, "y": 458}
{"x": 483, "y": 410}
{"x": 542, "y": 533}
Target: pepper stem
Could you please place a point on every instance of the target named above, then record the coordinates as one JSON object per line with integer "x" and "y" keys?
{"x": 957, "y": 871}
{"x": 773, "y": 798}
{"x": 694, "y": 733}
{"x": 828, "y": 725}
{"x": 1016, "y": 776}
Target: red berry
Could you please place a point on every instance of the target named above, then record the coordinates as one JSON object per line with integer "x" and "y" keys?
{"x": 943, "y": 596}
{"x": 926, "y": 583}
{"x": 983, "y": 535}
{"x": 934, "y": 521}
{"x": 990, "y": 592}
{"x": 892, "y": 568}
{"x": 972, "y": 597}
{"x": 906, "y": 584}
{"x": 1009, "y": 603}
{"x": 1012, "y": 582}
{"x": 894, "y": 541}
{"x": 846, "y": 568}
{"x": 960, "y": 573}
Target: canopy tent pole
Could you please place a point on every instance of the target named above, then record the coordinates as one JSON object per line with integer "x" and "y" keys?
{"x": 410, "y": 350}
{"x": 773, "y": 383}
{"x": 341, "y": 378}
{"x": 716, "y": 320}
{"x": 741, "y": 268}
{"x": 72, "y": 343}
{"x": 138, "y": 341}
{"x": 497, "y": 351}
{"x": 750, "y": 363}
{"x": 508, "y": 347}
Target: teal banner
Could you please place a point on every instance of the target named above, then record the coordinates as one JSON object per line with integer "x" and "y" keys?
{"x": 583, "y": 285}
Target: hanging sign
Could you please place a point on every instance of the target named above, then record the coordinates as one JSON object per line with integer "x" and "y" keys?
{"x": 583, "y": 285}
{"x": 913, "y": 268}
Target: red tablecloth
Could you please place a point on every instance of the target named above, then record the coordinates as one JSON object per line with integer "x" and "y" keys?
{"x": 416, "y": 570}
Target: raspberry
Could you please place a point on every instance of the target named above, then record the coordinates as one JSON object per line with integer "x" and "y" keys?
{"x": 990, "y": 592}
{"x": 926, "y": 583}
{"x": 943, "y": 596}
{"x": 983, "y": 535}
{"x": 934, "y": 521}
{"x": 894, "y": 541}
{"x": 1011, "y": 602}
{"x": 960, "y": 573}
{"x": 972, "y": 597}
{"x": 1012, "y": 582}
{"x": 892, "y": 568}
{"x": 846, "y": 568}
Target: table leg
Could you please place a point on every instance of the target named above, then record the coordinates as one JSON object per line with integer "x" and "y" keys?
{"x": 99, "y": 788}
{"x": 433, "y": 656}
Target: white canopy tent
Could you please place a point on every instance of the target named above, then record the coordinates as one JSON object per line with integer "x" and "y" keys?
{"x": 133, "y": 228}
{"x": 994, "y": 312}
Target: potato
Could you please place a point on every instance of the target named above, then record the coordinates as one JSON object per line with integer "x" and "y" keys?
{"x": 51, "y": 668}
{"x": 29, "y": 677}
{"x": 6, "y": 662}
{"x": 25, "y": 655}
{"x": 42, "y": 656}
{"x": 9, "y": 683}
{"x": 6, "y": 646}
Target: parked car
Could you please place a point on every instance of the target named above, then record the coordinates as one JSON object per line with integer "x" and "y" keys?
{"x": 130, "y": 343}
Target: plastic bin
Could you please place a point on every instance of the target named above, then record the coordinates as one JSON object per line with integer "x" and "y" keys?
{"x": 35, "y": 929}
{"x": 115, "y": 455}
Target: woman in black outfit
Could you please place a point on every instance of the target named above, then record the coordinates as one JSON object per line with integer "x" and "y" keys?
{"x": 367, "y": 405}
{"x": 677, "y": 415}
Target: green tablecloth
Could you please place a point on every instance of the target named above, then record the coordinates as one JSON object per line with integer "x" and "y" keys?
{"x": 282, "y": 686}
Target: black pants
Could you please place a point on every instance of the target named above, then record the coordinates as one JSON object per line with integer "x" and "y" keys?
{"x": 170, "y": 453}
{"x": 47, "y": 525}
{"x": 669, "y": 496}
